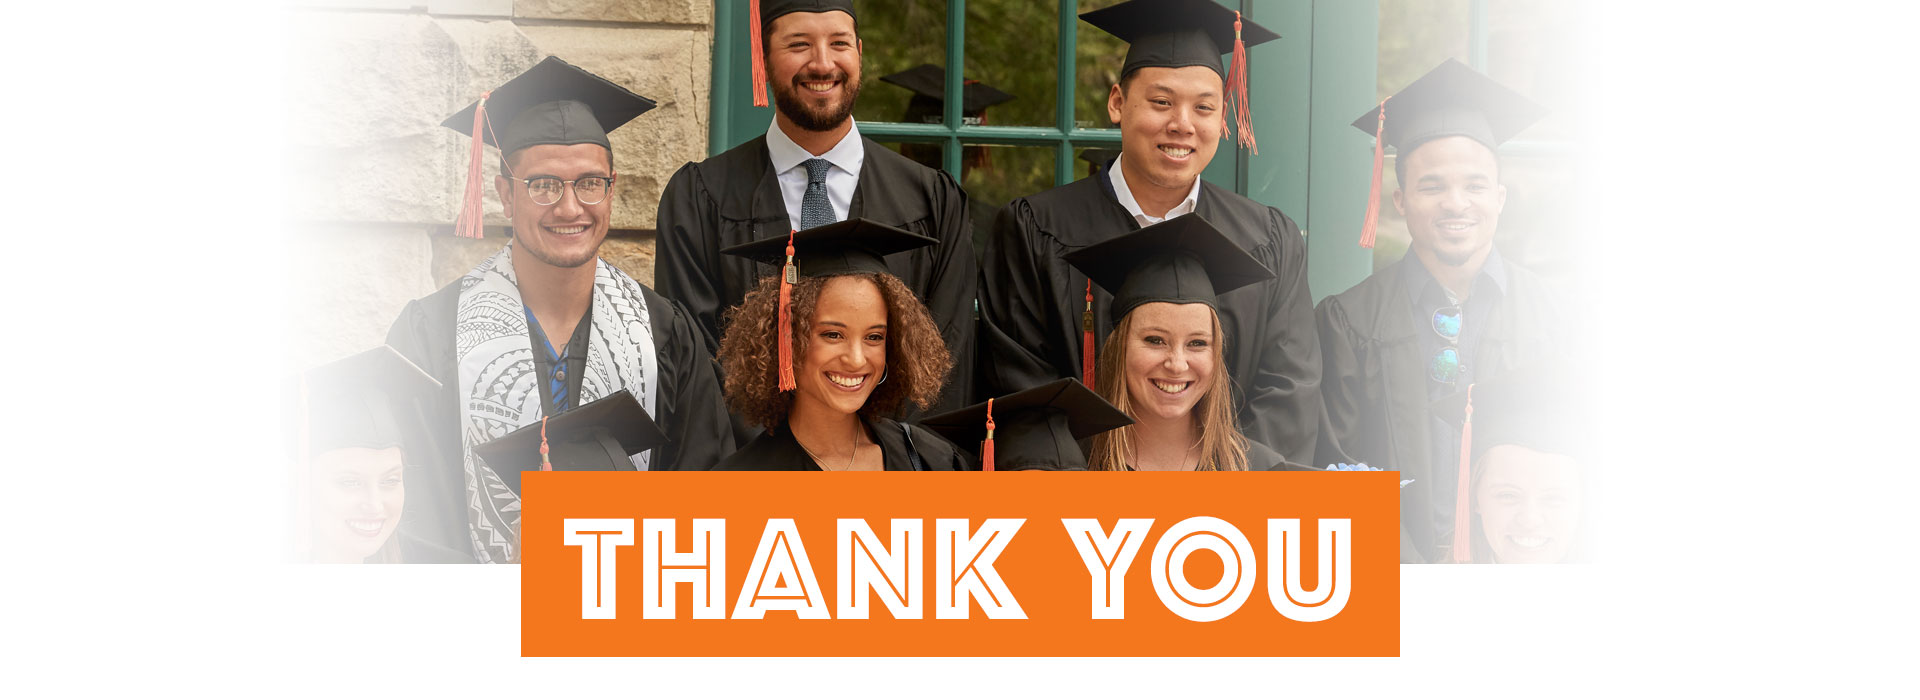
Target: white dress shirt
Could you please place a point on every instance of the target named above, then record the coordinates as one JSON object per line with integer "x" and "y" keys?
{"x": 1133, "y": 206}
{"x": 842, "y": 178}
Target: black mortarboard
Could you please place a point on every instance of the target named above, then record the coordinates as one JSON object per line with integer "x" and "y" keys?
{"x": 1181, "y": 33}
{"x": 848, "y": 247}
{"x": 929, "y": 85}
{"x": 770, "y": 11}
{"x": 362, "y": 401}
{"x": 841, "y": 248}
{"x": 598, "y": 436}
{"x": 1176, "y": 33}
{"x": 553, "y": 103}
{"x": 1183, "y": 260}
{"x": 1537, "y": 407}
{"x": 1450, "y": 100}
{"x": 1034, "y": 428}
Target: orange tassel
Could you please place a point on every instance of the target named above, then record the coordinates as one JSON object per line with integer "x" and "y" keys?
{"x": 986, "y": 448}
{"x": 1086, "y": 339}
{"x": 1373, "y": 193}
{"x": 1462, "y": 528}
{"x": 789, "y": 276}
{"x": 545, "y": 465}
{"x": 471, "y": 222}
{"x": 1237, "y": 90}
{"x": 759, "y": 54}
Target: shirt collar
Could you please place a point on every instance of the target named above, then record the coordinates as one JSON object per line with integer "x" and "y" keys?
{"x": 787, "y": 155}
{"x": 1132, "y": 205}
{"x": 1419, "y": 281}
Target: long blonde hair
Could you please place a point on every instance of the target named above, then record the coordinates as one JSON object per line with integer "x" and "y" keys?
{"x": 1222, "y": 447}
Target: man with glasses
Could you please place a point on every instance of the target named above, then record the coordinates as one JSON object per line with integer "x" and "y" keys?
{"x": 1452, "y": 312}
{"x": 544, "y": 326}
{"x": 811, "y": 169}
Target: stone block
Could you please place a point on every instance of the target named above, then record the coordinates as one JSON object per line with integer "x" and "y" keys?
{"x": 644, "y": 11}
{"x": 347, "y": 284}
{"x": 632, "y": 255}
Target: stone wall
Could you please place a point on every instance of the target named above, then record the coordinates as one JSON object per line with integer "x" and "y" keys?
{"x": 374, "y": 181}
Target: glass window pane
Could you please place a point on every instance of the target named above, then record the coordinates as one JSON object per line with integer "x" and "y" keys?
{"x": 1013, "y": 46}
{"x": 896, "y": 36}
{"x": 995, "y": 175}
{"x": 1533, "y": 47}
{"x": 1415, "y": 36}
{"x": 1097, "y": 60}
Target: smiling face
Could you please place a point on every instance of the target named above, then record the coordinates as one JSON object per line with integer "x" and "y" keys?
{"x": 846, "y": 352}
{"x": 1529, "y": 503}
{"x": 813, "y": 65}
{"x": 1170, "y": 123}
{"x": 1170, "y": 358}
{"x": 357, "y": 494}
{"x": 566, "y": 233}
{"x": 1451, "y": 196}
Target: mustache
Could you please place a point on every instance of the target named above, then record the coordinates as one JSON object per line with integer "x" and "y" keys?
{"x": 839, "y": 76}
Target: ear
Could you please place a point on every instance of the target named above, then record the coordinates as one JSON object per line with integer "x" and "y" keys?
{"x": 1400, "y": 204}
{"x": 1116, "y": 98}
{"x": 504, "y": 187}
{"x": 1500, "y": 199}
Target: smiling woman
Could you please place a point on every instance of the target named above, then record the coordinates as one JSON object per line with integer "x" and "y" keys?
{"x": 827, "y": 353}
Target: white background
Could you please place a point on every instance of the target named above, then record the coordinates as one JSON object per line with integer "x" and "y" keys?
{"x": 1751, "y": 190}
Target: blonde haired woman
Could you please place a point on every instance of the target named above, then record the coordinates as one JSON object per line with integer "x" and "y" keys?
{"x": 1162, "y": 363}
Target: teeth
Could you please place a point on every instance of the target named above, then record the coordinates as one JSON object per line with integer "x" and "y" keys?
{"x": 1529, "y": 542}
{"x": 566, "y": 231}
{"x": 1171, "y": 388}
{"x": 366, "y": 526}
{"x": 848, "y": 382}
{"x": 818, "y": 87}
{"x": 1175, "y": 151}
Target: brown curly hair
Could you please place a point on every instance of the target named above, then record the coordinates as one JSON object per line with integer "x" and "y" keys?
{"x": 749, "y": 354}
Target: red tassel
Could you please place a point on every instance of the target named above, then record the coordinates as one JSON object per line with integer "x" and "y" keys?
{"x": 1086, "y": 339}
{"x": 789, "y": 276}
{"x": 545, "y": 465}
{"x": 759, "y": 49}
{"x": 1373, "y": 193}
{"x": 986, "y": 449}
{"x": 1237, "y": 90}
{"x": 1462, "y": 528}
{"x": 471, "y": 222}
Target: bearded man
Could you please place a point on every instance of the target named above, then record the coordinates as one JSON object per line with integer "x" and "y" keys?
{"x": 811, "y": 169}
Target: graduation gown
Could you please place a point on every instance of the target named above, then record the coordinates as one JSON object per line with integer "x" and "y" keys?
{"x": 1376, "y": 407}
{"x": 691, "y": 410}
{"x": 1031, "y": 303}
{"x": 776, "y": 450}
{"x": 734, "y": 198}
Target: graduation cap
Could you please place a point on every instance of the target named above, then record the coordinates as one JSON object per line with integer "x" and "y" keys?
{"x": 768, "y": 12}
{"x": 929, "y": 85}
{"x": 598, "y": 436}
{"x": 1039, "y": 427}
{"x": 1181, "y": 33}
{"x": 1183, "y": 260}
{"x": 1538, "y": 408}
{"x": 854, "y": 246}
{"x": 553, "y": 103}
{"x": 1099, "y": 157}
{"x": 1450, "y": 100}
{"x": 360, "y": 401}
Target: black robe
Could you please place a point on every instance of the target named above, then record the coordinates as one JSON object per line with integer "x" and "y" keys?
{"x": 1031, "y": 303}
{"x": 691, "y": 410}
{"x": 734, "y": 198}
{"x": 776, "y": 450}
{"x": 1376, "y": 406}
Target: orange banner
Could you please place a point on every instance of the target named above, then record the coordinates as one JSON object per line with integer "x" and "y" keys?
{"x": 960, "y": 564}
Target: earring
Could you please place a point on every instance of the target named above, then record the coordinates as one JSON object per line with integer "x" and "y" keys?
{"x": 883, "y": 377}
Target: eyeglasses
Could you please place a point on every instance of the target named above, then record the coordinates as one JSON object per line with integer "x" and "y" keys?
{"x": 545, "y": 190}
{"x": 1445, "y": 366}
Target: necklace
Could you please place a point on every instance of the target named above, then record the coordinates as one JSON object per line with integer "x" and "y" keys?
{"x": 822, "y": 462}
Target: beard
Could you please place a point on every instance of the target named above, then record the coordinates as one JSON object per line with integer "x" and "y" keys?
{"x": 787, "y": 99}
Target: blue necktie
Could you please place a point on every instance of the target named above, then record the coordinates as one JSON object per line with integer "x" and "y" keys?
{"x": 815, "y": 210}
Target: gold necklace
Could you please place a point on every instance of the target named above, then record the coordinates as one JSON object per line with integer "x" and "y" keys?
{"x": 823, "y": 463}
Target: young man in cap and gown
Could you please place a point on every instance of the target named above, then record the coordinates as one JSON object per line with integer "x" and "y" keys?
{"x": 1041, "y": 319}
{"x": 544, "y": 325}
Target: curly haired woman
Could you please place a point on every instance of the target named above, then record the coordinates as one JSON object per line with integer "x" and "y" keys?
{"x": 824, "y": 355}
{"x": 1162, "y": 363}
